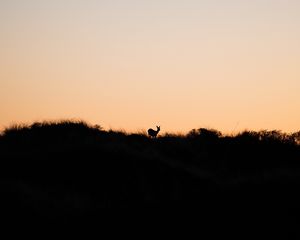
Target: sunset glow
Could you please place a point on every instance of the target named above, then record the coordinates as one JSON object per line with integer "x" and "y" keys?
{"x": 128, "y": 64}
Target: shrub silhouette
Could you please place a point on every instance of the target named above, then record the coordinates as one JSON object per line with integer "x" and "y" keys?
{"x": 206, "y": 134}
{"x": 45, "y": 163}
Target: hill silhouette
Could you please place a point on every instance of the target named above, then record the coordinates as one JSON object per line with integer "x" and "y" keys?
{"x": 67, "y": 168}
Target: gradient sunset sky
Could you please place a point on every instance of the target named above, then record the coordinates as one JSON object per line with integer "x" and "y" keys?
{"x": 133, "y": 64}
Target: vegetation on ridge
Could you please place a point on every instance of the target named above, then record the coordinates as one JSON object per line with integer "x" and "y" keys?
{"x": 77, "y": 167}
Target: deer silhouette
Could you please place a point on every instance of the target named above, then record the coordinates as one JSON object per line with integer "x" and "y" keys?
{"x": 153, "y": 133}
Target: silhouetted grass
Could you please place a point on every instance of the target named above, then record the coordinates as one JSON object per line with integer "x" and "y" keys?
{"x": 55, "y": 169}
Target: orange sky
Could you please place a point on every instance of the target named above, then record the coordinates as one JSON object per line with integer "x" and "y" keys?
{"x": 230, "y": 65}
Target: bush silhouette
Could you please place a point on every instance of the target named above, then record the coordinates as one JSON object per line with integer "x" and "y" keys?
{"x": 205, "y": 134}
{"x": 45, "y": 163}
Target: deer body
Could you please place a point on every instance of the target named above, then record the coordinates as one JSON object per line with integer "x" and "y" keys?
{"x": 153, "y": 133}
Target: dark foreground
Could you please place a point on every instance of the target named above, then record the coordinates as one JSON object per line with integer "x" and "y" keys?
{"x": 67, "y": 169}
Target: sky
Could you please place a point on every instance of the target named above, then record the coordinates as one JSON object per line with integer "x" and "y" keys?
{"x": 133, "y": 64}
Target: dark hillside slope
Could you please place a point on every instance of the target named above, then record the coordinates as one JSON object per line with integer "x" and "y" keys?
{"x": 63, "y": 169}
